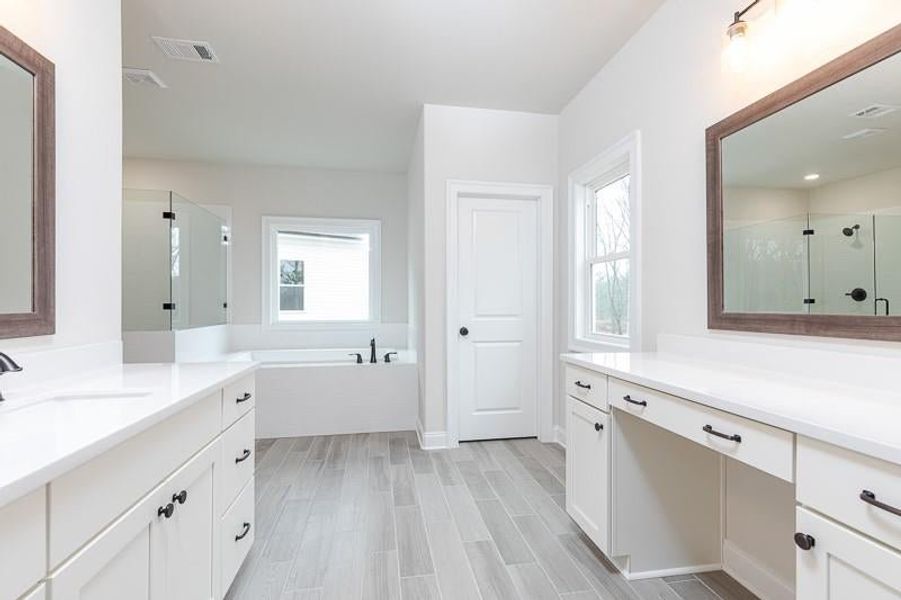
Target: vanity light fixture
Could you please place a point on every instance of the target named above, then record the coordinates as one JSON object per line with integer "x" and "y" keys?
{"x": 812, "y": 177}
{"x": 737, "y": 51}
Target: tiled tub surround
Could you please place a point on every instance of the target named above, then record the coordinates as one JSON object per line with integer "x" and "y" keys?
{"x": 93, "y": 465}
{"x": 836, "y": 448}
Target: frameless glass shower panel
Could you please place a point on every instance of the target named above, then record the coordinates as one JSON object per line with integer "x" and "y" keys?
{"x": 842, "y": 279}
{"x": 765, "y": 266}
{"x": 198, "y": 266}
{"x": 145, "y": 261}
{"x": 888, "y": 264}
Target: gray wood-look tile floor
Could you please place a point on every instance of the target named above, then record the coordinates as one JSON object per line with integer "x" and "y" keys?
{"x": 373, "y": 516}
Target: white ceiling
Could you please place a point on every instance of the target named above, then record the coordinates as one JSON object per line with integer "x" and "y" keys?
{"x": 339, "y": 83}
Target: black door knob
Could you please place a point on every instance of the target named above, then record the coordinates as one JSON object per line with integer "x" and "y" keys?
{"x": 464, "y": 331}
{"x": 857, "y": 294}
{"x": 804, "y": 541}
{"x": 598, "y": 426}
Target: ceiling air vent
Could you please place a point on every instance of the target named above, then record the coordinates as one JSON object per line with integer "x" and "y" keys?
{"x": 142, "y": 77}
{"x": 874, "y": 111}
{"x": 186, "y": 49}
{"x": 863, "y": 133}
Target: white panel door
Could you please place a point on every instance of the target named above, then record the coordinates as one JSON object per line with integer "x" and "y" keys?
{"x": 588, "y": 470}
{"x": 497, "y": 324}
{"x": 843, "y": 564}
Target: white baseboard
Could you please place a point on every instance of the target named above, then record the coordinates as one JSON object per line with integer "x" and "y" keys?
{"x": 757, "y": 578}
{"x": 560, "y": 436}
{"x": 430, "y": 440}
{"x": 670, "y": 572}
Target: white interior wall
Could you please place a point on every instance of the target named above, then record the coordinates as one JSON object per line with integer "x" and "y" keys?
{"x": 416, "y": 259}
{"x": 252, "y": 192}
{"x": 670, "y": 83}
{"x": 467, "y": 144}
{"x": 84, "y": 42}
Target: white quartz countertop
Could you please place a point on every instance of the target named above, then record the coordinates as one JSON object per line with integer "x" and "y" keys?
{"x": 860, "y": 419}
{"x": 48, "y": 430}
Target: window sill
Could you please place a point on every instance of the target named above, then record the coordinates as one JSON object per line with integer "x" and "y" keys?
{"x": 583, "y": 345}
{"x": 324, "y": 325}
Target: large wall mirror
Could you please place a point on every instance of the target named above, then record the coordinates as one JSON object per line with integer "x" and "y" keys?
{"x": 27, "y": 183}
{"x": 804, "y": 203}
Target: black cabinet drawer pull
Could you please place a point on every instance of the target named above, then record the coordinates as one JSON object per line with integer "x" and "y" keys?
{"x": 629, "y": 399}
{"x": 166, "y": 511}
{"x": 247, "y": 396}
{"x": 732, "y": 438}
{"x": 870, "y": 498}
{"x": 598, "y": 426}
{"x": 180, "y": 497}
{"x": 243, "y": 457}
{"x": 243, "y": 533}
{"x": 584, "y": 386}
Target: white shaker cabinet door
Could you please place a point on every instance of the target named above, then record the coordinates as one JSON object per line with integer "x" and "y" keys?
{"x": 587, "y": 470}
{"x": 839, "y": 563}
{"x": 181, "y": 547}
{"x": 113, "y": 566}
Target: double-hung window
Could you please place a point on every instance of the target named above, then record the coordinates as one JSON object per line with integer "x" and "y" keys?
{"x": 604, "y": 302}
{"x": 324, "y": 271}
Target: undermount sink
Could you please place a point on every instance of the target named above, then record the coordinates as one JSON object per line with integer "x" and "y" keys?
{"x": 74, "y": 398}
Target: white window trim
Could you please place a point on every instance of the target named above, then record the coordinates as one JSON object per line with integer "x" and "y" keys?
{"x": 271, "y": 227}
{"x": 625, "y": 154}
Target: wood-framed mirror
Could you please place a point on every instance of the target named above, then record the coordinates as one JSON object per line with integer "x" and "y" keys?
{"x": 27, "y": 190}
{"x": 804, "y": 203}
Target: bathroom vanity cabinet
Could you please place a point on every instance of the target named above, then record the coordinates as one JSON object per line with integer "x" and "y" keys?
{"x": 165, "y": 514}
{"x": 645, "y": 473}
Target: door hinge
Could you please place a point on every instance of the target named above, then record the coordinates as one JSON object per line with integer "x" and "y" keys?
{"x": 808, "y": 232}
{"x": 168, "y": 305}
{"x": 810, "y": 300}
{"x": 169, "y": 215}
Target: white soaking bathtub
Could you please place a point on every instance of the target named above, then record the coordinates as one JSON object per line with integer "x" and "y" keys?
{"x": 323, "y": 392}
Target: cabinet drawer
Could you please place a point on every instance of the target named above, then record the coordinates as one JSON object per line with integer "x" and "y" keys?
{"x": 23, "y": 543}
{"x": 86, "y": 499}
{"x": 237, "y": 459}
{"x": 832, "y": 481}
{"x": 237, "y": 533}
{"x": 587, "y": 386}
{"x": 237, "y": 399}
{"x": 761, "y": 446}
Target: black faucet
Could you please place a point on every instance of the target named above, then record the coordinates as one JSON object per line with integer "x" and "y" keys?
{"x": 388, "y": 356}
{"x": 359, "y": 357}
{"x": 372, "y": 358}
{"x": 7, "y": 365}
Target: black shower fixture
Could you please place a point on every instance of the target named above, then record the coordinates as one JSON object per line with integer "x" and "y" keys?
{"x": 849, "y": 231}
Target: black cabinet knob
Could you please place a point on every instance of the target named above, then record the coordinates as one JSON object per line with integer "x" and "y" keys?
{"x": 166, "y": 511}
{"x": 598, "y": 426}
{"x": 857, "y": 294}
{"x": 180, "y": 497}
{"x": 464, "y": 331}
{"x": 804, "y": 541}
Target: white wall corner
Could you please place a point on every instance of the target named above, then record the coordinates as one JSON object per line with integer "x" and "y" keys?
{"x": 560, "y": 436}
{"x": 755, "y": 577}
{"x": 430, "y": 440}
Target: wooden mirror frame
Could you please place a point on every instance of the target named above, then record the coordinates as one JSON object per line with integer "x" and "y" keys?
{"x": 863, "y": 327}
{"x": 42, "y": 318}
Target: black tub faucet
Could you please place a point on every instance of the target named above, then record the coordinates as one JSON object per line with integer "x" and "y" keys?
{"x": 389, "y": 355}
{"x": 372, "y": 358}
{"x": 7, "y": 365}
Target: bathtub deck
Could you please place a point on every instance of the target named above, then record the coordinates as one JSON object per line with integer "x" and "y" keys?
{"x": 372, "y": 516}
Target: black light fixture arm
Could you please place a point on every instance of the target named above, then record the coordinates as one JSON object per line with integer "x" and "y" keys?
{"x": 739, "y": 14}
